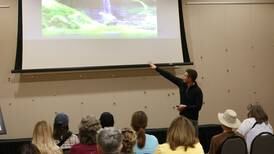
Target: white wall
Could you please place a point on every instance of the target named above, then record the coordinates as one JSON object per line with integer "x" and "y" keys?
{"x": 232, "y": 47}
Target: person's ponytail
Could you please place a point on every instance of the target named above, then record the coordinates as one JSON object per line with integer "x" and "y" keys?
{"x": 141, "y": 138}
{"x": 139, "y": 124}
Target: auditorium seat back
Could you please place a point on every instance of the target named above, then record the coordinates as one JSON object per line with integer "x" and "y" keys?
{"x": 263, "y": 144}
{"x": 234, "y": 145}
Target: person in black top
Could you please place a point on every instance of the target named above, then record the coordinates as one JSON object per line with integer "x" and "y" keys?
{"x": 106, "y": 120}
{"x": 191, "y": 95}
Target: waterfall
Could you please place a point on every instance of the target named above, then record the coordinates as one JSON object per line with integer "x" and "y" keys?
{"x": 106, "y": 13}
{"x": 107, "y": 6}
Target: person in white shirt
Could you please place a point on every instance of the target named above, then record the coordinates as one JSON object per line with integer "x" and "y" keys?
{"x": 256, "y": 123}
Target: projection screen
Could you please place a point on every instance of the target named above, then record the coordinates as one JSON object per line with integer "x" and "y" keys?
{"x": 99, "y": 33}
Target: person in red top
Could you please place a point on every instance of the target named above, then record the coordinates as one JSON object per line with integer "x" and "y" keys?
{"x": 87, "y": 134}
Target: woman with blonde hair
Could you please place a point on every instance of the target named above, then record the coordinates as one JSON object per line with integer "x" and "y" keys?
{"x": 181, "y": 139}
{"x": 43, "y": 139}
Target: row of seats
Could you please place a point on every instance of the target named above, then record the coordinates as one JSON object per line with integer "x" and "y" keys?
{"x": 262, "y": 144}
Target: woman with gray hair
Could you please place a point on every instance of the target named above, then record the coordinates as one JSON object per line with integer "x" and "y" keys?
{"x": 109, "y": 141}
{"x": 257, "y": 122}
{"x": 87, "y": 134}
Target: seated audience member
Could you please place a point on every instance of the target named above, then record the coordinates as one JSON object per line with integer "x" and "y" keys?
{"x": 106, "y": 120}
{"x": 87, "y": 134}
{"x": 43, "y": 140}
{"x": 256, "y": 123}
{"x": 229, "y": 121}
{"x": 65, "y": 139}
{"x": 109, "y": 141}
{"x": 181, "y": 139}
{"x": 129, "y": 140}
{"x": 29, "y": 149}
{"x": 145, "y": 143}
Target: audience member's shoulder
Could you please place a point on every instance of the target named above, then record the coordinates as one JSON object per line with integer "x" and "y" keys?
{"x": 74, "y": 137}
{"x": 152, "y": 138}
{"x": 269, "y": 124}
{"x": 76, "y": 146}
{"x": 249, "y": 121}
{"x": 199, "y": 148}
{"x": 198, "y": 145}
{"x": 216, "y": 137}
{"x": 163, "y": 148}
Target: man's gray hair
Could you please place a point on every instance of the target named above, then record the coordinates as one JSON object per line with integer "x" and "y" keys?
{"x": 110, "y": 140}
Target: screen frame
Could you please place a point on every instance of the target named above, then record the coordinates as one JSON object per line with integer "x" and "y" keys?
{"x": 2, "y": 124}
{"x": 19, "y": 51}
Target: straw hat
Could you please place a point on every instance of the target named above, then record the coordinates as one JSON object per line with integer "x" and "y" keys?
{"x": 90, "y": 123}
{"x": 229, "y": 119}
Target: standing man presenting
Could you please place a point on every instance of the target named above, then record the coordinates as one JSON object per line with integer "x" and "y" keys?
{"x": 191, "y": 95}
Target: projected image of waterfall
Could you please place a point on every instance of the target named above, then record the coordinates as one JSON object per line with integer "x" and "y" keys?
{"x": 99, "y": 18}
